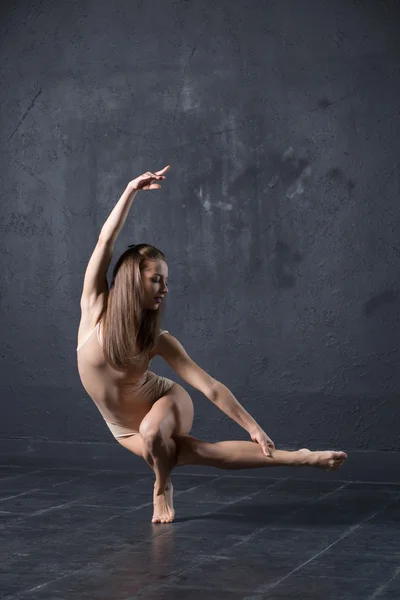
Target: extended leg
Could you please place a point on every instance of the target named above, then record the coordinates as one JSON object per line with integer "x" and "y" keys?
{"x": 248, "y": 455}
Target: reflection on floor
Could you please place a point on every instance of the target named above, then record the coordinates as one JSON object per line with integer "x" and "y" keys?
{"x": 69, "y": 534}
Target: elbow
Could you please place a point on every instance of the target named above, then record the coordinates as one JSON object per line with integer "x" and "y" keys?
{"x": 214, "y": 390}
{"x": 104, "y": 238}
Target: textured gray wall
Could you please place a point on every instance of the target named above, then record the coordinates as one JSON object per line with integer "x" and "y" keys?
{"x": 280, "y": 215}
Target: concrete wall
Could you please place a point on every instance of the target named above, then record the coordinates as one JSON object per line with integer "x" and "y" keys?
{"x": 280, "y": 216}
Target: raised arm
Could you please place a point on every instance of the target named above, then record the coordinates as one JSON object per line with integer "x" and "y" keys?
{"x": 95, "y": 280}
{"x": 176, "y": 356}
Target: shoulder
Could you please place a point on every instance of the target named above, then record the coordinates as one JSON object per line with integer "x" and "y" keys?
{"x": 164, "y": 338}
{"x": 166, "y": 344}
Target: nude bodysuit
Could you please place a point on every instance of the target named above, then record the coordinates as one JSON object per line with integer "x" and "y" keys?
{"x": 123, "y": 398}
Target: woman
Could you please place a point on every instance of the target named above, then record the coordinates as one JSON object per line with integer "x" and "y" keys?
{"x": 119, "y": 333}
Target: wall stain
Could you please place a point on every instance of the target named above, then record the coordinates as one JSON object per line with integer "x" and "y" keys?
{"x": 377, "y": 302}
{"x": 284, "y": 263}
{"x": 338, "y": 175}
{"x": 286, "y": 169}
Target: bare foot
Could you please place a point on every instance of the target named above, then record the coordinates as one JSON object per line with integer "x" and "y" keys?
{"x": 328, "y": 460}
{"x": 164, "y": 505}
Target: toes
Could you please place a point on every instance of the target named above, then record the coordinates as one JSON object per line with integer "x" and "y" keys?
{"x": 340, "y": 456}
{"x": 162, "y": 519}
{"x": 167, "y": 520}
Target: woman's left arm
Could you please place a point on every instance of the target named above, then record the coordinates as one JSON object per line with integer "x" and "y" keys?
{"x": 176, "y": 356}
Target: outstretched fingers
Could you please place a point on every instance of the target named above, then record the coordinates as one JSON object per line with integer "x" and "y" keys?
{"x": 164, "y": 170}
{"x": 155, "y": 177}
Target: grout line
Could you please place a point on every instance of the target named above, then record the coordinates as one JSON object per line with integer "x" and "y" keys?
{"x": 177, "y": 525}
{"x": 384, "y": 586}
{"x": 43, "y": 511}
{"x": 63, "y": 505}
{"x": 375, "y": 482}
{"x": 18, "y": 495}
{"x": 259, "y": 595}
{"x": 293, "y": 512}
{"x": 247, "y": 538}
{"x": 18, "y": 467}
{"x": 77, "y": 503}
{"x": 180, "y": 525}
{"x": 154, "y": 586}
{"x": 19, "y": 475}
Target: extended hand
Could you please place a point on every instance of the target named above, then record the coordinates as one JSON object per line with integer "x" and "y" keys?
{"x": 145, "y": 181}
{"x": 260, "y": 437}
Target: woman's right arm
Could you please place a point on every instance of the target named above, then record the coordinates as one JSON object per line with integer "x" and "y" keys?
{"x": 95, "y": 280}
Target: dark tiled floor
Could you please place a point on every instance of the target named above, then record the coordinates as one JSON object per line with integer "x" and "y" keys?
{"x": 76, "y": 534}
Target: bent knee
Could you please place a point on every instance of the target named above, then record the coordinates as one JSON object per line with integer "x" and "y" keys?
{"x": 151, "y": 436}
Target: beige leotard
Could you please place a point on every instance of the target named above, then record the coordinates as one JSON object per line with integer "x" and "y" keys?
{"x": 123, "y": 398}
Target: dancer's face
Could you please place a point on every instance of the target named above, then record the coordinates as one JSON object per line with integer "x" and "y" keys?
{"x": 155, "y": 279}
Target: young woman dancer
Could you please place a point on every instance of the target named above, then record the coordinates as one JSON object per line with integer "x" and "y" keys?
{"x": 119, "y": 334}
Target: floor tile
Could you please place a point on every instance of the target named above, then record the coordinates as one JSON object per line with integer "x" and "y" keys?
{"x": 345, "y": 507}
{"x": 88, "y": 534}
{"x": 33, "y": 501}
{"x": 299, "y": 586}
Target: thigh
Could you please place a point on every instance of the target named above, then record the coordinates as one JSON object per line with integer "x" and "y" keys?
{"x": 172, "y": 414}
{"x": 133, "y": 443}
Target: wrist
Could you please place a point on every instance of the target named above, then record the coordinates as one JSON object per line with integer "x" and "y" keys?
{"x": 253, "y": 428}
{"x": 131, "y": 188}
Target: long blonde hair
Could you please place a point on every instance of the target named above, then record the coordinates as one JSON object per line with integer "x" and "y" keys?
{"x": 130, "y": 330}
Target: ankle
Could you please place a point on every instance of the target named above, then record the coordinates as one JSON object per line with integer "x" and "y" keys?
{"x": 303, "y": 457}
{"x": 159, "y": 490}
